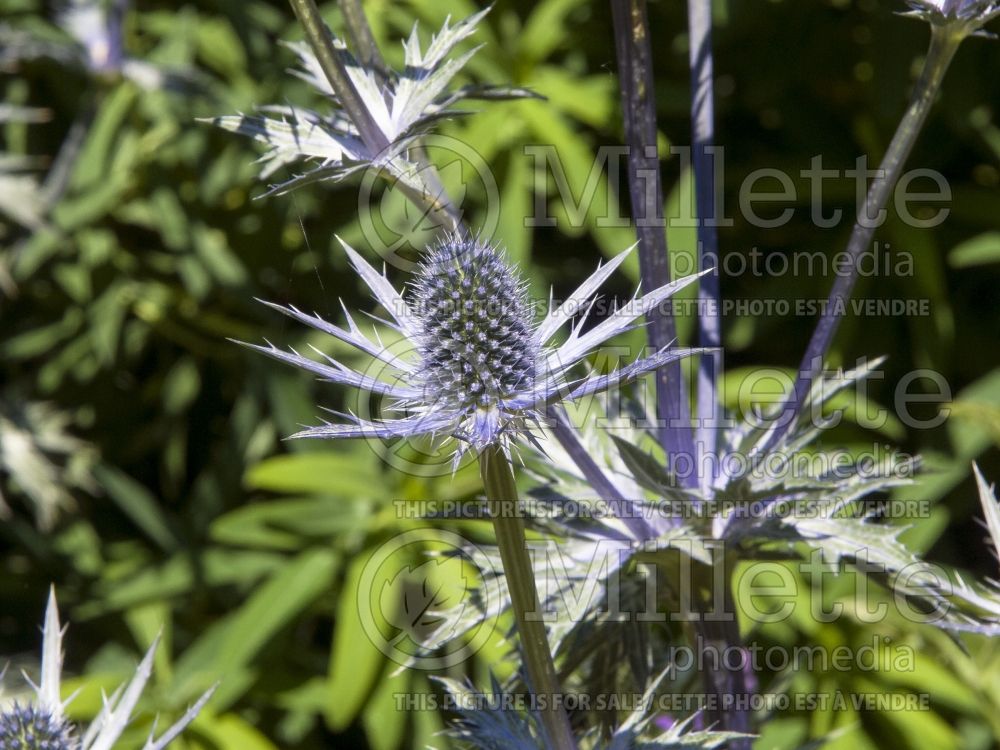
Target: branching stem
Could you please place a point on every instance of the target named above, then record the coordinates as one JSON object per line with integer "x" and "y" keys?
{"x": 945, "y": 40}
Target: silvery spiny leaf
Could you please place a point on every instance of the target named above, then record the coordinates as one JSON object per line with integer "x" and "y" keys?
{"x": 680, "y": 736}
{"x": 331, "y": 143}
{"x": 831, "y": 512}
{"x": 402, "y": 106}
{"x": 483, "y": 723}
{"x": 982, "y": 596}
{"x": 44, "y": 714}
{"x": 991, "y": 509}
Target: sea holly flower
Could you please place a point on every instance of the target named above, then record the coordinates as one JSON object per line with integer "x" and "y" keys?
{"x": 31, "y": 728}
{"x": 972, "y": 14}
{"x": 479, "y": 368}
{"x": 41, "y": 724}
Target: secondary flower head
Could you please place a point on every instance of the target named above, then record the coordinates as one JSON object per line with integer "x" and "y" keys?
{"x": 34, "y": 728}
{"x": 41, "y": 724}
{"x": 479, "y": 369}
{"x": 971, "y": 13}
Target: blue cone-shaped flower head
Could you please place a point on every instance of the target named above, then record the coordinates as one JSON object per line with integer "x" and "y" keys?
{"x": 476, "y": 341}
{"x": 481, "y": 368}
{"x": 34, "y": 728}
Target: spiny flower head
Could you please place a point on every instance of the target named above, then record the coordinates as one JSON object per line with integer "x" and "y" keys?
{"x": 476, "y": 340}
{"x": 42, "y": 725}
{"x": 34, "y": 728}
{"x": 480, "y": 368}
{"x": 973, "y": 14}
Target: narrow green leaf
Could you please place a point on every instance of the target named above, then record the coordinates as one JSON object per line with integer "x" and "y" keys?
{"x": 978, "y": 251}
{"x": 345, "y": 474}
{"x": 355, "y": 662}
{"x": 138, "y": 504}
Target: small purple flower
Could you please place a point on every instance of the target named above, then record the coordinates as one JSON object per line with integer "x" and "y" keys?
{"x": 479, "y": 368}
{"x": 93, "y": 42}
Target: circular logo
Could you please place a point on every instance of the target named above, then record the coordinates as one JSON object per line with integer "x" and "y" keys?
{"x": 418, "y": 455}
{"x": 406, "y": 202}
{"x": 416, "y": 599}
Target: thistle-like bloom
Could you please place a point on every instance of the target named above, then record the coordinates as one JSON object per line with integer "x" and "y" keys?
{"x": 42, "y": 723}
{"x": 34, "y": 728}
{"x": 479, "y": 368}
{"x": 970, "y": 13}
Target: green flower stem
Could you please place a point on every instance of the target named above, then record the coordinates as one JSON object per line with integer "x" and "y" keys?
{"x": 945, "y": 40}
{"x": 361, "y": 35}
{"x": 501, "y": 494}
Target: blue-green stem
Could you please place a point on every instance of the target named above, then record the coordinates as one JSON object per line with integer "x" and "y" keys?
{"x": 360, "y": 32}
{"x": 945, "y": 40}
{"x": 501, "y": 495}
{"x": 635, "y": 73}
{"x": 716, "y": 636}
{"x": 708, "y": 411}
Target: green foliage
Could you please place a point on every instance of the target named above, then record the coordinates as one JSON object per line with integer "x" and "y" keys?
{"x": 141, "y": 461}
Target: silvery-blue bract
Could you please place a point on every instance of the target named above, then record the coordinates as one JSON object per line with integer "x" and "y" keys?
{"x": 401, "y": 104}
{"x": 41, "y": 723}
{"x": 479, "y": 368}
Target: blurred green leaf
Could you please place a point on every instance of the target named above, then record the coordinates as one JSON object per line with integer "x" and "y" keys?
{"x": 351, "y": 475}
{"x": 980, "y": 250}
{"x": 138, "y": 504}
{"x": 233, "y": 642}
{"x": 355, "y": 662}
